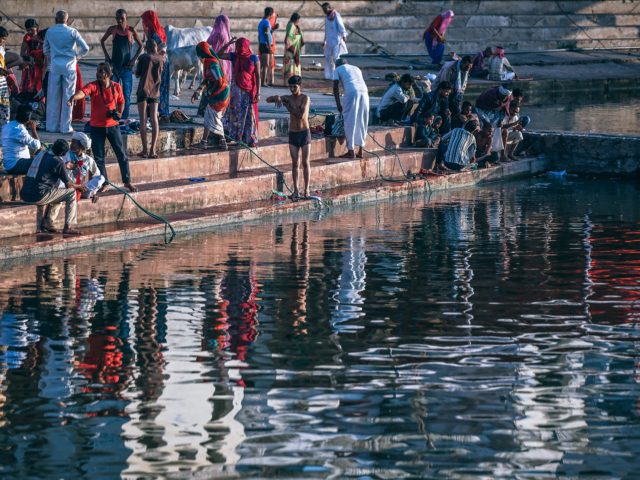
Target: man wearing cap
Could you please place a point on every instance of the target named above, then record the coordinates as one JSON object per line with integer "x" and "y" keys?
{"x": 83, "y": 168}
{"x": 63, "y": 46}
{"x": 41, "y": 186}
{"x": 492, "y": 106}
{"x": 354, "y": 106}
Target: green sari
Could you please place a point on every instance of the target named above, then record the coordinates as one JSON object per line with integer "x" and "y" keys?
{"x": 294, "y": 42}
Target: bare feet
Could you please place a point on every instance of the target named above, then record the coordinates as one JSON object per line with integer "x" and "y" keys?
{"x": 130, "y": 187}
{"x": 103, "y": 188}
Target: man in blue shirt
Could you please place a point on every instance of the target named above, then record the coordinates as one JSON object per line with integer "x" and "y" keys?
{"x": 265, "y": 38}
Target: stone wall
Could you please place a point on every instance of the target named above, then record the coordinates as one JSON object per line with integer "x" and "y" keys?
{"x": 396, "y": 25}
{"x": 587, "y": 152}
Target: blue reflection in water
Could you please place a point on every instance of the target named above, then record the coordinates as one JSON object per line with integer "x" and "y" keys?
{"x": 477, "y": 333}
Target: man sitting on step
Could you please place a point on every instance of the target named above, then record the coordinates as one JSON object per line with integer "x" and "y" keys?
{"x": 299, "y": 133}
{"x": 18, "y": 136}
{"x": 41, "y": 186}
{"x": 396, "y": 103}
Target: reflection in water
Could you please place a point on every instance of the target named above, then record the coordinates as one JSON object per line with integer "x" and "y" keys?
{"x": 476, "y": 333}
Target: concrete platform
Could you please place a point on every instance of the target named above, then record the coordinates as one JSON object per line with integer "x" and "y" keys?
{"x": 206, "y": 218}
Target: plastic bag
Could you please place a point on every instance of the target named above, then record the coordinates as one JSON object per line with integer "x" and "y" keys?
{"x": 338, "y": 127}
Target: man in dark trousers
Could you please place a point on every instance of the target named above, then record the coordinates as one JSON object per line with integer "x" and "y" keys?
{"x": 107, "y": 104}
{"x": 41, "y": 186}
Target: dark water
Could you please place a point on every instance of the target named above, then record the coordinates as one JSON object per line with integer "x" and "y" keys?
{"x": 488, "y": 333}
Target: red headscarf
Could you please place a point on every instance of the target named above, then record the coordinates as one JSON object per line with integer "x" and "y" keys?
{"x": 151, "y": 24}
{"x": 243, "y": 68}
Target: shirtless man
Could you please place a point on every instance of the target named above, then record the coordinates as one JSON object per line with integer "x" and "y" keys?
{"x": 299, "y": 133}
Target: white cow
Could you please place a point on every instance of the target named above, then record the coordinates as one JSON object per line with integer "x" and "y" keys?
{"x": 184, "y": 61}
{"x": 182, "y": 37}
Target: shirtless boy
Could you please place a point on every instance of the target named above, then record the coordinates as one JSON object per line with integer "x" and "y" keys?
{"x": 299, "y": 133}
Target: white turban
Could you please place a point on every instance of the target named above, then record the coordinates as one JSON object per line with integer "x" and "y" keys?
{"x": 83, "y": 139}
{"x": 505, "y": 92}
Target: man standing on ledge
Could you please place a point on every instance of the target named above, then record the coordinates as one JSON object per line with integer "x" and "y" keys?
{"x": 63, "y": 46}
{"x": 356, "y": 105}
{"x": 265, "y": 39}
{"x": 335, "y": 39}
{"x": 299, "y": 133}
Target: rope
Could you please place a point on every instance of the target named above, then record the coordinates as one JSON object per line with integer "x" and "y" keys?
{"x": 155, "y": 216}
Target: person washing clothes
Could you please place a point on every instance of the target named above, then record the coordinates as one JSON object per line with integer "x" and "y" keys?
{"x": 63, "y": 46}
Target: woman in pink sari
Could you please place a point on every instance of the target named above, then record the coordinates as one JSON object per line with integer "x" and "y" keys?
{"x": 220, "y": 36}
{"x": 434, "y": 36}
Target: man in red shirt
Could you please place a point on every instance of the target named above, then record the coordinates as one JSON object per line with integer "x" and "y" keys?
{"x": 107, "y": 104}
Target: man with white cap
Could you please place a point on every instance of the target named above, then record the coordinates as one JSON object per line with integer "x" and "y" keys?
{"x": 492, "y": 106}
{"x": 63, "y": 46}
{"x": 84, "y": 170}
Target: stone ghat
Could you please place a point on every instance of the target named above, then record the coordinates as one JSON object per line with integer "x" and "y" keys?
{"x": 367, "y": 186}
{"x": 588, "y": 153}
{"x": 396, "y": 25}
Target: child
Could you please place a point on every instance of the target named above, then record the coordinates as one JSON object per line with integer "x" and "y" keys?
{"x": 149, "y": 71}
{"x": 484, "y": 153}
{"x": 299, "y": 134}
{"x": 84, "y": 170}
{"x": 426, "y": 134}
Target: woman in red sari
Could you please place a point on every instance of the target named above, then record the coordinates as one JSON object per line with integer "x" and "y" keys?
{"x": 241, "y": 118}
{"x": 32, "y": 47}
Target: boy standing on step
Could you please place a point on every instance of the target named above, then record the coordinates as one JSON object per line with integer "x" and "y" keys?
{"x": 299, "y": 133}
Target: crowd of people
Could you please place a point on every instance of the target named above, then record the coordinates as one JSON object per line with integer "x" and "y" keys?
{"x": 228, "y": 99}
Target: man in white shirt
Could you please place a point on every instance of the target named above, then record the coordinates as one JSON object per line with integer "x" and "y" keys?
{"x": 356, "y": 105}
{"x": 335, "y": 39}
{"x": 396, "y": 103}
{"x": 16, "y": 142}
{"x": 63, "y": 46}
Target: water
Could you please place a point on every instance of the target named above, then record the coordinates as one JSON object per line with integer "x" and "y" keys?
{"x": 487, "y": 333}
{"x": 617, "y": 113}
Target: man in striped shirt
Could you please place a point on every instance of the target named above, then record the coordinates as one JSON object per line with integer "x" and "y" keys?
{"x": 461, "y": 148}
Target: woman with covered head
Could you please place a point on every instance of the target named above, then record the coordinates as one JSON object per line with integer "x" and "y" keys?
{"x": 434, "y": 36}
{"x": 216, "y": 94}
{"x": 220, "y": 36}
{"x": 154, "y": 30}
{"x": 293, "y": 48}
{"x": 241, "y": 118}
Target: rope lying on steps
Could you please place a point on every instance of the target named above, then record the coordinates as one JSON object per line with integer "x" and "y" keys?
{"x": 168, "y": 238}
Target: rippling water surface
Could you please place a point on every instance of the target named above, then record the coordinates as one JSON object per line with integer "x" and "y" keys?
{"x": 487, "y": 333}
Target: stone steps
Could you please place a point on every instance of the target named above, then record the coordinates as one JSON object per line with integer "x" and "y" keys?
{"x": 207, "y": 218}
{"x": 216, "y": 190}
{"x": 195, "y": 163}
{"x": 523, "y": 25}
{"x": 168, "y": 185}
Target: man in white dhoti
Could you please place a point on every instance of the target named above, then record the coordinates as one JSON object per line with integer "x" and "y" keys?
{"x": 335, "y": 39}
{"x": 355, "y": 110}
{"x": 63, "y": 46}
